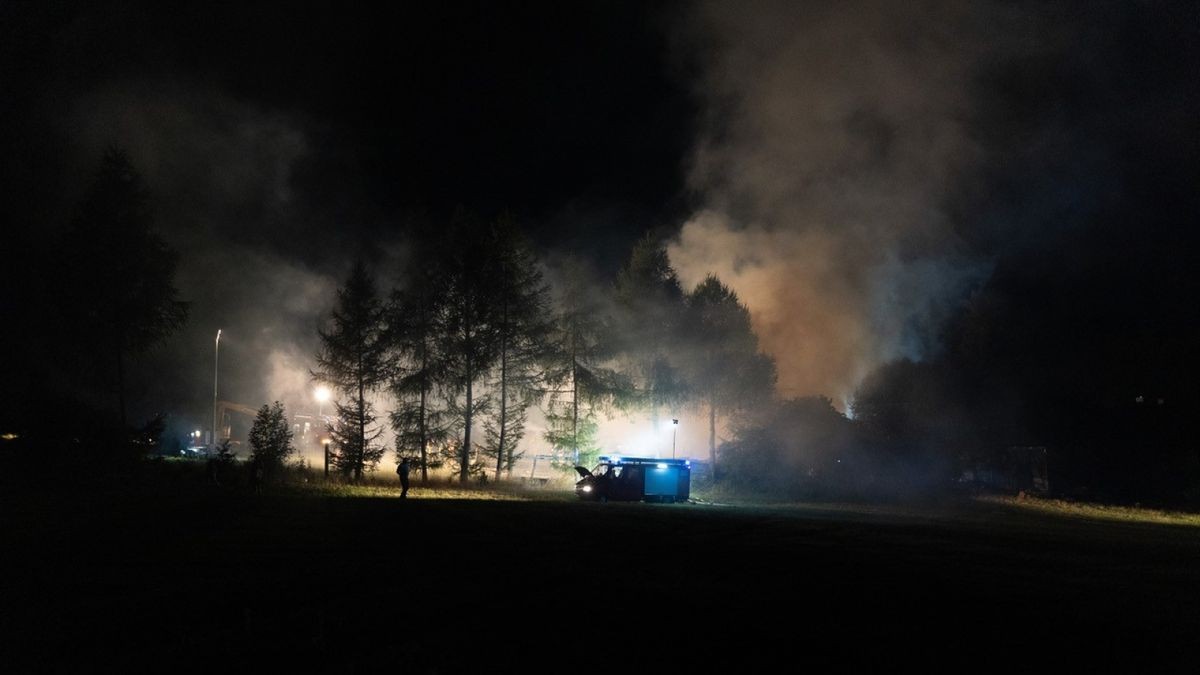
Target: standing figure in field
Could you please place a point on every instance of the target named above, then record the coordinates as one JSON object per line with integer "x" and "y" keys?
{"x": 257, "y": 475}
{"x": 212, "y": 468}
{"x": 402, "y": 471}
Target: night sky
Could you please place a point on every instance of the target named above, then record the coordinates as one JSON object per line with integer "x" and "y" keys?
{"x": 856, "y": 171}
{"x": 556, "y": 113}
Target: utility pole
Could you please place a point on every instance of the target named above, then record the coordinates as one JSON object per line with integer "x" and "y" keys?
{"x": 674, "y": 429}
{"x": 216, "y": 361}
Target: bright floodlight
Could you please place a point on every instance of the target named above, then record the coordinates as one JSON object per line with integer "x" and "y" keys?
{"x": 322, "y": 394}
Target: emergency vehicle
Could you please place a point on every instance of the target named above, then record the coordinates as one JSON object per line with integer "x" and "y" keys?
{"x": 632, "y": 479}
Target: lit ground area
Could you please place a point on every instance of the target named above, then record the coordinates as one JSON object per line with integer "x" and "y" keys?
{"x": 451, "y": 580}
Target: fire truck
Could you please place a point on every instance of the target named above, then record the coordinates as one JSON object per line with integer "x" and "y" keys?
{"x": 633, "y": 479}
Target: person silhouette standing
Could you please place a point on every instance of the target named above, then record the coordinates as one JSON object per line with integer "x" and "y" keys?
{"x": 258, "y": 473}
{"x": 402, "y": 471}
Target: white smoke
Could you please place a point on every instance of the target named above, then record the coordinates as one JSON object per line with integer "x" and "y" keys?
{"x": 833, "y": 135}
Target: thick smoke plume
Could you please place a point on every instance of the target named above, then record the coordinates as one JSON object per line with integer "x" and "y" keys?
{"x": 833, "y": 136}
{"x": 253, "y": 262}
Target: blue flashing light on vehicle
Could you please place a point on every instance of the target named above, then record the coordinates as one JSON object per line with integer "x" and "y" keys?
{"x": 650, "y": 479}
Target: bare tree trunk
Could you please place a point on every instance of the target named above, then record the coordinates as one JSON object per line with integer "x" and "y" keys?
{"x": 712, "y": 438}
{"x": 470, "y": 376}
{"x": 503, "y": 406}
{"x": 466, "y": 449}
{"x": 424, "y": 440}
{"x": 362, "y": 424}
{"x": 574, "y": 397}
{"x": 503, "y": 390}
{"x": 425, "y": 388}
{"x": 574, "y": 409}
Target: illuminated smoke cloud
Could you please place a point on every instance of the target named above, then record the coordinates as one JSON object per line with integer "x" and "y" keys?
{"x": 834, "y": 134}
{"x": 252, "y": 262}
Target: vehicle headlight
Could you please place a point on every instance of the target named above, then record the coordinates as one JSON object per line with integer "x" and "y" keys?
{"x": 586, "y": 488}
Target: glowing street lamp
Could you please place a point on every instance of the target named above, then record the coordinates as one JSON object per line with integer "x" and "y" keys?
{"x": 322, "y": 394}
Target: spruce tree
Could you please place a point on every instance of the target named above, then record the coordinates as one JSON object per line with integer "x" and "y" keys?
{"x": 470, "y": 335}
{"x": 355, "y": 435}
{"x": 523, "y": 328}
{"x": 580, "y": 381}
{"x": 420, "y": 419}
{"x": 116, "y": 276}
{"x": 504, "y": 430}
{"x": 352, "y": 359}
{"x": 650, "y": 303}
{"x": 270, "y": 437}
{"x": 726, "y": 369}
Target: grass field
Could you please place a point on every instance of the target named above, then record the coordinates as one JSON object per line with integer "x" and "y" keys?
{"x": 177, "y": 574}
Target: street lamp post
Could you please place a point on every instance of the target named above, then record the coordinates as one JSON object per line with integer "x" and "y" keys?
{"x": 216, "y": 361}
{"x": 322, "y": 394}
{"x": 674, "y": 428}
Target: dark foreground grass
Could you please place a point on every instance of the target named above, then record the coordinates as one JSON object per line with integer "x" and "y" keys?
{"x": 340, "y": 581}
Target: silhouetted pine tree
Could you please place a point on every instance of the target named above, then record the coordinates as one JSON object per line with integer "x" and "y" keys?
{"x": 354, "y": 435}
{"x": 415, "y": 328}
{"x": 470, "y": 337}
{"x": 504, "y": 430}
{"x": 724, "y": 366}
{"x": 579, "y": 379}
{"x": 116, "y": 273}
{"x": 270, "y": 437}
{"x": 352, "y": 360}
{"x": 650, "y": 304}
{"x": 524, "y": 327}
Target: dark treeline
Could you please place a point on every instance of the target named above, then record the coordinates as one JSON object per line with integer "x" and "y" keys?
{"x": 81, "y": 307}
{"x": 479, "y": 330}
{"x": 1086, "y": 347}
{"x": 1040, "y": 359}
{"x": 1082, "y": 345}
{"x": 477, "y": 333}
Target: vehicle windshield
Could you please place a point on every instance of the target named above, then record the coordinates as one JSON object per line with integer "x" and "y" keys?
{"x": 600, "y": 470}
